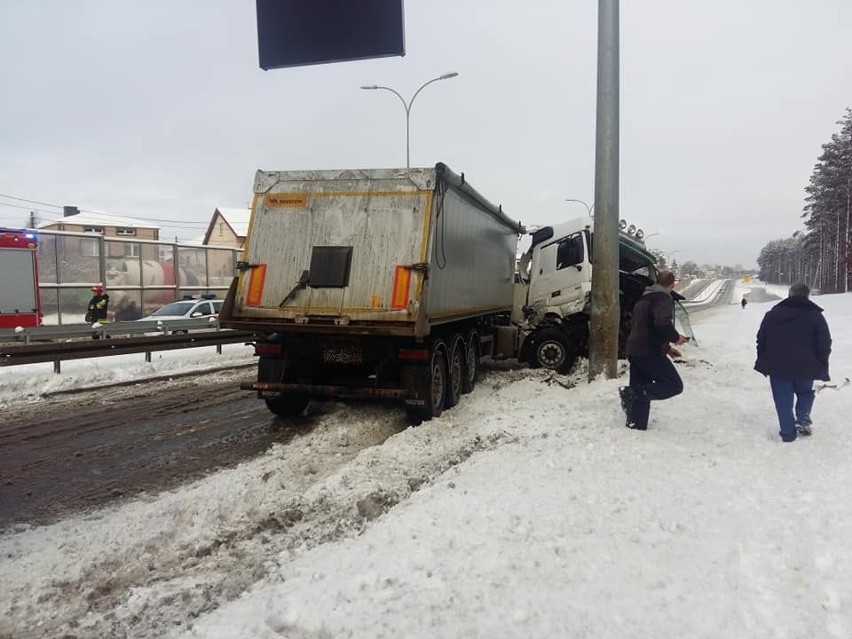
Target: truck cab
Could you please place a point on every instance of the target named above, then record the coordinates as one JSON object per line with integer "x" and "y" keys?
{"x": 555, "y": 278}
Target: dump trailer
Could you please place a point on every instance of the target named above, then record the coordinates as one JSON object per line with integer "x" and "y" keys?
{"x": 382, "y": 283}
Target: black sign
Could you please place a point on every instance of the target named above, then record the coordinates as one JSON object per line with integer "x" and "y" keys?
{"x": 294, "y": 33}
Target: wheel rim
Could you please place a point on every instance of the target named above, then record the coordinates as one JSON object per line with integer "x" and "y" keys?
{"x": 456, "y": 374}
{"x": 438, "y": 381}
{"x": 551, "y": 354}
{"x": 472, "y": 361}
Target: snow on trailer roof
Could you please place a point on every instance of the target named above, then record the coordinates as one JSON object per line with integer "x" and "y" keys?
{"x": 423, "y": 178}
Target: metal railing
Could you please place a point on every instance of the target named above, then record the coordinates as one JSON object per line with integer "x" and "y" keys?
{"x": 59, "y": 343}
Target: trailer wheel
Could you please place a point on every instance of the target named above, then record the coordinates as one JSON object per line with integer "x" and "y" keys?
{"x": 431, "y": 383}
{"x": 471, "y": 361}
{"x": 552, "y": 350}
{"x": 457, "y": 370}
{"x": 287, "y": 405}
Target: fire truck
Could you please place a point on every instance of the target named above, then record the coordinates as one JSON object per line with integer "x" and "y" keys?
{"x": 19, "y": 299}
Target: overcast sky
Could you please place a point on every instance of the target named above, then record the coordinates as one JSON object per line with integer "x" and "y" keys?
{"x": 159, "y": 110}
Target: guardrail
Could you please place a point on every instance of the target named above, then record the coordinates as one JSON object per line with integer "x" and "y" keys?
{"x": 59, "y": 343}
{"x": 139, "y": 327}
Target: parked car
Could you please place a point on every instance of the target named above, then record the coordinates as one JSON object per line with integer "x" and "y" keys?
{"x": 184, "y": 310}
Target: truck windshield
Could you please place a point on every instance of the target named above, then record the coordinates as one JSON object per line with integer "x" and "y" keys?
{"x": 632, "y": 257}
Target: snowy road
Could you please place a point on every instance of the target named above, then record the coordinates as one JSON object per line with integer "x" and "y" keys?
{"x": 74, "y": 453}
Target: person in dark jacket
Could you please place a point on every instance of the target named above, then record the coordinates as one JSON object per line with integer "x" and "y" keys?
{"x": 97, "y": 309}
{"x": 649, "y": 347}
{"x": 793, "y": 346}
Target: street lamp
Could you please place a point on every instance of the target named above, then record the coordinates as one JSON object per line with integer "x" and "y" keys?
{"x": 669, "y": 258}
{"x": 407, "y": 105}
{"x": 651, "y": 235}
{"x": 588, "y": 208}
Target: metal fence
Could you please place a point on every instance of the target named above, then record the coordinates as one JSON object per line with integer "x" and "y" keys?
{"x": 139, "y": 275}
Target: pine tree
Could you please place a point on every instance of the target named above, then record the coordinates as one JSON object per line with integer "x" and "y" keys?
{"x": 828, "y": 211}
{"x": 821, "y": 257}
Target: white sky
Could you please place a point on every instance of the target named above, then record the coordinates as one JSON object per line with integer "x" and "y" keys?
{"x": 160, "y": 110}
{"x": 539, "y": 515}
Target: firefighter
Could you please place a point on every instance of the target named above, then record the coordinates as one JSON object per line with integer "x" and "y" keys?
{"x": 98, "y": 305}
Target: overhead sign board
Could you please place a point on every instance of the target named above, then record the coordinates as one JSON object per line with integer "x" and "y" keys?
{"x": 293, "y": 33}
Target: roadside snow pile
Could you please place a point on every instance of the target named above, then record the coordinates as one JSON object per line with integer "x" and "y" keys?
{"x": 218, "y": 536}
{"x": 30, "y": 383}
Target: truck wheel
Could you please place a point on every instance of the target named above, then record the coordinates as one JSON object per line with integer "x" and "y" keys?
{"x": 437, "y": 380}
{"x": 471, "y": 361}
{"x": 431, "y": 384}
{"x": 457, "y": 370}
{"x": 552, "y": 350}
{"x": 287, "y": 405}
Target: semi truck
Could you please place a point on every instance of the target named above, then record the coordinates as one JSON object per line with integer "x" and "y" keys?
{"x": 396, "y": 283}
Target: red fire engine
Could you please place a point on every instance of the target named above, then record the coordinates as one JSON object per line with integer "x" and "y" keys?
{"x": 19, "y": 300}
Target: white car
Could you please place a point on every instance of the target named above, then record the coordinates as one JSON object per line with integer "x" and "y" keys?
{"x": 184, "y": 310}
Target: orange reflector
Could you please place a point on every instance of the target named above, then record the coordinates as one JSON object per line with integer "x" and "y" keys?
{"x": 254, "y": 295}
{"x": 401, "y": 281}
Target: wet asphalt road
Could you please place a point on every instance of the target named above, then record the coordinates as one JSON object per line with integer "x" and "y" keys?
{"x": 76, "y": 452}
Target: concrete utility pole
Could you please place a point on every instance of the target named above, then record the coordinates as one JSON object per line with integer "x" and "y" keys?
{"x": 603, "y": 328}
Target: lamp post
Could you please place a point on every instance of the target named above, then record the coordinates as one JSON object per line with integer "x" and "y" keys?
{"x": 407, "y": 105}
{"x": 588, "y": 208}
{"x": 669, "y": 258}
{"x": 651, "y": 235}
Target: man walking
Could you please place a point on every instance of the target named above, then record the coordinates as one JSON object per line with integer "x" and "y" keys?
{"x": 793, "y": 346}
{"x": 652, "y": 374}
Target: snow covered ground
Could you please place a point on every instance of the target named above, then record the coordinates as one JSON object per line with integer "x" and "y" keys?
{"x": 527, "y": 510}
{"x": 32, "y": 382}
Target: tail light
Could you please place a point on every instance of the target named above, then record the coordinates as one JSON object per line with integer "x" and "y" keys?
{"x": 268, "y": 349}
{"x": 413, "y": 354}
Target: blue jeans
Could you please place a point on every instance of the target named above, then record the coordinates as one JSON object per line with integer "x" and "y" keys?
{"x": 783, "y": 392}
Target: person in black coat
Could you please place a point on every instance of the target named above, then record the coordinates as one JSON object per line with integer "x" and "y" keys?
{"x": 97, "y": 310}
{"x": 649, "y": 346}
{"x": 793, "y": 346}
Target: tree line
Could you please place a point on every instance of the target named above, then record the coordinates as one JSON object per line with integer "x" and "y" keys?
{"x": 820, "y": 256}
